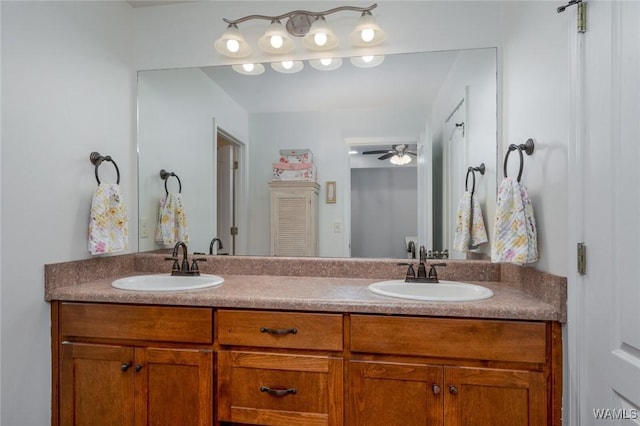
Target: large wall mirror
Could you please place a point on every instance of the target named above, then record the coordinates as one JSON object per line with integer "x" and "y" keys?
{"x": 219, "y": 132}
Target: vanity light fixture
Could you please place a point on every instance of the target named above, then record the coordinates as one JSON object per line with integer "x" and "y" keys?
{"x": 232, "y": 43}
{"x": 400, "y": 160}
{"x": 287, "y": 67}
{"x": 311, "y": 26}
{"x": 368, "y": 32}
{"x": 369, "y": 61}
{"x": 326, "y": 64}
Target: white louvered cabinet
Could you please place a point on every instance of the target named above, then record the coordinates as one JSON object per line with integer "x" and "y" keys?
{"x": 294, "y": 218}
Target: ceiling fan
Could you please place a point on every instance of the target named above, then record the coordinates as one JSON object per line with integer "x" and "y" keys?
{"x": 399, "y": 150}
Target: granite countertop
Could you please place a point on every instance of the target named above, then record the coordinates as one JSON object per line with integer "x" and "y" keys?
{"x": 316, "y": 294}
{"x": 512, "y": 299}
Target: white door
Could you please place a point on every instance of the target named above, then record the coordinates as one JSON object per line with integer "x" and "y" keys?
{"x": 454, "y": 170}
{"x": 604, "y": 314}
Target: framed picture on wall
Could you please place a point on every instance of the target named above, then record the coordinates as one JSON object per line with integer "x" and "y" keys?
{"x": 330, "y": 192}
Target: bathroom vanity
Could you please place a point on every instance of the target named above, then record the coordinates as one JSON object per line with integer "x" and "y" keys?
{"x": 304, "y": 350}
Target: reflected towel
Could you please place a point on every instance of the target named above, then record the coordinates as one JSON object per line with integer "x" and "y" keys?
{"x": 172, "y": 221}
{"x": 108, "y": 223}
{"x": 470, "y": 229}
{"x": 515, "y": 239}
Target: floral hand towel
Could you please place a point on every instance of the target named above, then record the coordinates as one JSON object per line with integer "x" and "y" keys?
{"x": 108, "y": 223}
{"x": 172, "y": 221}
{"x": 470, "y": 229}
{"x": 515, "y": 235}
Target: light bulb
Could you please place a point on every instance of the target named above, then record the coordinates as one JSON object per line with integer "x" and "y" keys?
{"x": 326, "y": 61}
{"x": 287, "y": 64}
{"x": 248, "y": 67}
{"x": 276, "y": 41}
{"x": 367, "y": 59}
{"x": 367, "y": 35}
{"x": 320, "y": 39}
{"x": 233, "y": 45}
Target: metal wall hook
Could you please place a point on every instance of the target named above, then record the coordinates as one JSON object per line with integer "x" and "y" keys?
{"x": 97, "y": 159}
{"x": 165, "y": 175}
{"x": 472, "y": 171}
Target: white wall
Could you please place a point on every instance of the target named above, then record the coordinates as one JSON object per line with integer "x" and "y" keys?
{"x": 536, "y": 105}
{"x": 67, "y": 90}
{"x": 324, "y": 134}
{"x": 176, "y": 113}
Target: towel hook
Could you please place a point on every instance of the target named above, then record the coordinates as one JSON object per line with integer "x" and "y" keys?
{"x": 527, "y": 147}
{"x": 165, "y": 175}
{"x": 97, "y": 159}
{"x": 472, "y": 170}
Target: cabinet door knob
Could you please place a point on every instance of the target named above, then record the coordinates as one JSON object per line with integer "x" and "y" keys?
{"x": 278, "y": 392}
{"x": 138, "y": 368}
{"x": 436, "y": 389}
{"x": 278, "y": 331}
{"x": 453, "y": 390}
{"x": 125, "y": 367}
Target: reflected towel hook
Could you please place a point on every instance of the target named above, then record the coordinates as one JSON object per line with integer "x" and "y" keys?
{"x": 165, "y": 175}
{"x": 527, "y": 147}
{"x": 97, "y": 159}
{"x": 472, "y": 170}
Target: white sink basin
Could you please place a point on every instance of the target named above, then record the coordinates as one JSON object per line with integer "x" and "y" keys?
{"x": 444, "y": 291}
{"x": 166, "y": 282}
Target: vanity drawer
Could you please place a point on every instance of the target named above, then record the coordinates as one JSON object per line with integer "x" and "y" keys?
{"x": 279, "y": 389}
{"x": 280, "y": 330}
{"x": 136, "y": 322}
{"x": 491, "y": 340}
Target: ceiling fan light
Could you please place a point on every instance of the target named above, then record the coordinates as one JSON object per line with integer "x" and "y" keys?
{"x": 276, "y": 39}
{"x": 232, "y": 43}
{"x": 400, "y": 160}
{"x": 367, "y": 32}
{"x": 320, "y": 36}
{"x": 249, "y": 69}
{"x": 367, "y": 61}
{"x": 326, "y": 64}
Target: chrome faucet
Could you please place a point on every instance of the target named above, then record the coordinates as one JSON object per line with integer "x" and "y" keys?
{"x": 184, "y": 268}
{"x": 213, "y": 242}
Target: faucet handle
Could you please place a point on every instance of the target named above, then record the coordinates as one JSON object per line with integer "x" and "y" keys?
{"x": 410, "y": 271}
{"x": 176, "y": 265}
{"x": 433, "y": 274}
{"x": 194, "y": 265}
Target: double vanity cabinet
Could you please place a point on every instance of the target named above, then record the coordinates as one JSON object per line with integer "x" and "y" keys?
{"x": 136, "y": 364}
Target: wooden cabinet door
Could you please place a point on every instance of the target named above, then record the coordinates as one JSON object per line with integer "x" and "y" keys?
{"x": 174, "y": 387}
{"x": 480, "y": 397}
{"x": 96, "y": 385}
{"x": 382, "y": 393}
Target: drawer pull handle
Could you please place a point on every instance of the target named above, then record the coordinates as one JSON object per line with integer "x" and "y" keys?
{"x": 278, "y": 392}
{"x": 138, "y": 367}
{"x": 453, "y": 390}
{"x": 279, "y": 331}
{"x": 125, "y": 367}
{"x": 436, "y": 389}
